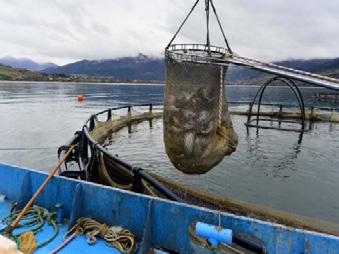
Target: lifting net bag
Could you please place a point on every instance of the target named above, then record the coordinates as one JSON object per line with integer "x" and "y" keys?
{"x": 198, "y": 130}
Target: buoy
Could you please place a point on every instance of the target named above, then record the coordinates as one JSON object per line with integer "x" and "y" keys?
{"x": 80, "y": 98}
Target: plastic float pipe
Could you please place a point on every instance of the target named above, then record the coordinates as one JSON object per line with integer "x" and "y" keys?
{"x": 213, "y": 242}
{"x": 213, "y": 234}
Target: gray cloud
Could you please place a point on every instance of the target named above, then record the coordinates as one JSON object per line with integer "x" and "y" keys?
{"x": 65, "y": 30}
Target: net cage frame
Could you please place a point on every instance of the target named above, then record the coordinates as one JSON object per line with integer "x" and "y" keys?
{"x": 260, "y": 95}
{"x": 188, "y": 52}
{"x": 87, "y": 146}
{"x": 87, "y": 151}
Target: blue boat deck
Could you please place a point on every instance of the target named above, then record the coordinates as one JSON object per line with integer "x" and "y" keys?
{"x": 155, "y": 222}
{"x": 77, "y": 245}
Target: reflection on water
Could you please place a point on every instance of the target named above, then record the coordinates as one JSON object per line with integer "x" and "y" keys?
{"x": 270, "y": 167}
{"x": 285, "y": 160}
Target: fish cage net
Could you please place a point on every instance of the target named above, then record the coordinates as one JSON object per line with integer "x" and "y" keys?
{"x": 198, "y": 130}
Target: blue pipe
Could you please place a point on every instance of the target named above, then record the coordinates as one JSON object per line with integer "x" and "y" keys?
{"x": 213, "y": 234}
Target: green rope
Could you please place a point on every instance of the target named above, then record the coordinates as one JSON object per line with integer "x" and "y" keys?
{"x": 52, "y": 217}
{"x": 35, "y": 218}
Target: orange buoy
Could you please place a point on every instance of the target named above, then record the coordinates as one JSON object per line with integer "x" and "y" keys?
{"x": 80, "y": 98}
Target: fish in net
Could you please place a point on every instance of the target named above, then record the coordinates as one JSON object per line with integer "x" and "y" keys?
{"x": 198, "y": 130}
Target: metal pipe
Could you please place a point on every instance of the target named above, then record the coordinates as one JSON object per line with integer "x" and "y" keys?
{"x": 109, "y": 114}
{"x": 182, "y": 24}
{"x": 261, "y": 91}
{"x": 220, "y": 26}
{"x": 61, "y": 150}
{"x": 311, "y": 78}
{"x": 159, "y": 186}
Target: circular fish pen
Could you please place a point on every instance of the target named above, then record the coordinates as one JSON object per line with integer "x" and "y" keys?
{"x": 93, "y": 162}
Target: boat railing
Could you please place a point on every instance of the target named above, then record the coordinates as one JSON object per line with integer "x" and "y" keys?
{"x": 197, "y": 47}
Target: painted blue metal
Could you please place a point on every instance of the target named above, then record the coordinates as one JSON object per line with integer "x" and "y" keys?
{"x": 155, "y": 222}
{"x": 78, "y": 245}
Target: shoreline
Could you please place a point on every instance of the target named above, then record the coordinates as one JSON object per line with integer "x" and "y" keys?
{"x": 82, "y": 83}
{"x": 143, "y": 83}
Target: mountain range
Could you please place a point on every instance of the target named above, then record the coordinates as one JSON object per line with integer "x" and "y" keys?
{"x": 145, "y": 68}
{"x": 25, "y": 63}
{"x": 140, "y": 67}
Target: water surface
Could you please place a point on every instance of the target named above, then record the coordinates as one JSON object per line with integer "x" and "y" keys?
{"x": 270, "y": 168}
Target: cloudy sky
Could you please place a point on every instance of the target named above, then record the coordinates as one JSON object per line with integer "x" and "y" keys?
{"x": 63, "y": 31}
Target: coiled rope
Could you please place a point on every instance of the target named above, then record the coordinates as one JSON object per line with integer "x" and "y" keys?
{"x": 34, "y": 219}
{"x": 115, "y": 236}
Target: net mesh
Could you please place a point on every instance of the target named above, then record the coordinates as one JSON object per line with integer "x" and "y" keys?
{"x": 198, "y": 130}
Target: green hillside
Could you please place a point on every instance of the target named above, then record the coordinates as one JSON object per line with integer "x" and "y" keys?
{"x": 9, "y": 73}
{"x": 14, "y": 74}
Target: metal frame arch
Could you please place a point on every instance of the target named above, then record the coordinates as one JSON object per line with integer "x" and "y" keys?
{"x": 297, "y": 93}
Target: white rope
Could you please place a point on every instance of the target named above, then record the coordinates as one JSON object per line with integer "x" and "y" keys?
{"x": 221, "y": 90}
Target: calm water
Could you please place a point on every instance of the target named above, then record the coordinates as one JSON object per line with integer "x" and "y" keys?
{"x": 270, "y": 168}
